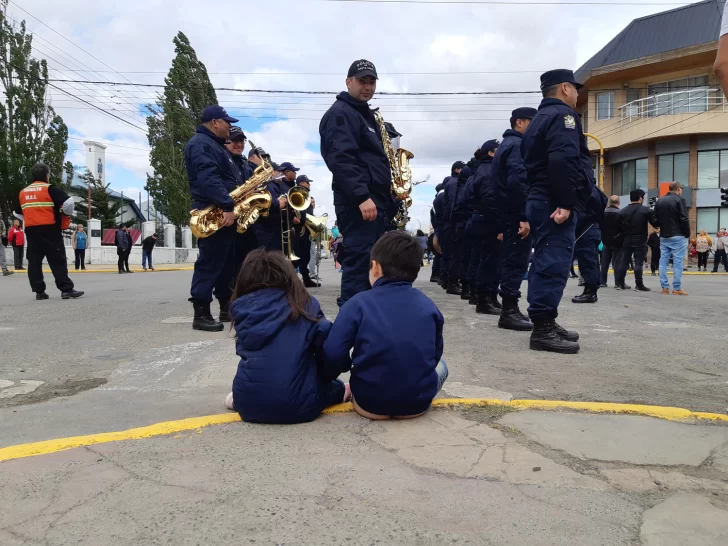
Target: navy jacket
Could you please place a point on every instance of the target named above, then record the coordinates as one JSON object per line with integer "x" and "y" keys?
{"x": 245, "y": 168}
{"x": 452, "y": 216}
{"x": 438, "y": 207}
{"x": 464, "y": 203}
{"x": 556, "y": 156}
{"x": 351, "y": 146}
{"x": 211, "y": 172}
{"x": 592, "y": 211}
{"x": 394, "y": 359}
{"x": 611, "y": 226}
{"x": 272, "y": 224}
{"x": 509, "y": 173}
{"x": 278, "y": 377}
{"x": 485, "y": 194}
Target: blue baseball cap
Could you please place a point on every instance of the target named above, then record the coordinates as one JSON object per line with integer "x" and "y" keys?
{"x": 303, "y": 178}
{"x": 524, "y": 113}
{"x": 489, "y": 146}
{"x": 216, "y": 112}
{"x": 287, "y": 166}
{"x": 555, "y": 77}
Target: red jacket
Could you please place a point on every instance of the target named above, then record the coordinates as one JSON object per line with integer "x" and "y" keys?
{"x": 16, "y": 237}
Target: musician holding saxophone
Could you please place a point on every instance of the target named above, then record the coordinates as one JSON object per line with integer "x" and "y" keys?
{"x": 212, "y": 175}
{"x": 351, "y": 145}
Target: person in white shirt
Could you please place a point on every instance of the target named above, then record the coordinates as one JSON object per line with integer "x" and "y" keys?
{"x": 721, "y": 60}
{"x": 720, "y": 247}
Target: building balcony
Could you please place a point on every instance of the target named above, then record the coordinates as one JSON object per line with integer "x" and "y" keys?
{"x": 669, "y": 104}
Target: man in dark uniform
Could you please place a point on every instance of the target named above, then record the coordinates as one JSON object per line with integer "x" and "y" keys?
{"x": 590, "y": 216}
{"x": 244, "y": 242}
{"x": 445, "y": 237}
{"x": 351, "y": 145}
{"x": 633, "y": 220}
{"x": 303, "y": 247}
{"x": 268, "y": 230}
{"x": 472, "y": 239}
{"x": 509, "y": 173}
{"x": 212, "y": 175}
{"x": 437, "y": 226}
{"x": 610, "y": 230}
{"x": 486, "y": 225}
{"x": 558, "y": 163}
{"x": 456, "y": 214}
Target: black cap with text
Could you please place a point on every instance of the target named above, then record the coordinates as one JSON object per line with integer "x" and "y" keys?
{"x": 361, "y": 69}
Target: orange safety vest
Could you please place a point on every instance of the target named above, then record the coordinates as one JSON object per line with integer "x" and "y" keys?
{"x": 38, "y": 208}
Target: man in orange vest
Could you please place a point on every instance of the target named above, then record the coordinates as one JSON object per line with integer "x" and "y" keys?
{"x": 46, "y": 211}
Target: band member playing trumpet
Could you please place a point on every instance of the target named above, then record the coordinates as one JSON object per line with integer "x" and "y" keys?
{"x": 212, "y": 175}
{"x": 303, "y": 247}
{"x": 352, "y": 148}
{"x": 268, "y": 230}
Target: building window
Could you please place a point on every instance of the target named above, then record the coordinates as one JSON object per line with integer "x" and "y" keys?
{"x": 709, "y": 170}
{"x": 632, "y": 109}
{"x": 679, "y": 96}
{"x": 674, "y": 168}
{"x": 605, "y": 105}
{"x": 708, "y": 219}
{"x": 628, "y": 176}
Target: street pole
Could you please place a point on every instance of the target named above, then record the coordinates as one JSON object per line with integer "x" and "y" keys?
{"x": 601, "y": 160}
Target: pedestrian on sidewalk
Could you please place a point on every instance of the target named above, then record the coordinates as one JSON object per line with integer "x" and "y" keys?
{"x": 3, "y": 246}
{"x": 653, "y": 241}
{"x": 147, "y": 248}
{"x": 672, "y": 217}
{"x": 720, "y": 246}
{"x": 46, "y": 211}
{"x": 79, "y": 242}
{"x": 634, "y": 221}
{"x": 16, "y": 237}
{"x": 703, "y": 245}
{"x": 123, "y": 248}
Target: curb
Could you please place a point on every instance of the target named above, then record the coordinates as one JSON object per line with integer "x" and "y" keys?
{"x": 195, "y": 423}
{"x": 89, "y": 271}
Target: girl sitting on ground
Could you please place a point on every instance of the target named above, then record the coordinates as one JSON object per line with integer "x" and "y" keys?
{"x": 280, "y": 331}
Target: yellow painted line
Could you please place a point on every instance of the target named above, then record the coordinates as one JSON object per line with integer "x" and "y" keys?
{"x": 171, "y": 427}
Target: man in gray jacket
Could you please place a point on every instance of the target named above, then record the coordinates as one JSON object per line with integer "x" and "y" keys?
{"x": 672, "y": 217}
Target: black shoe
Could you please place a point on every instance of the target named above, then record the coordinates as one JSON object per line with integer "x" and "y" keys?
{"x": 473, "y": 297}
{"x": 622, "y": 286}
{"x": 203, "y": 319}
{"x": 122, "y": 272}
{"x": 485, "y": 305}
{"x": 588, "y": 296}
{"x": 7, "y": 273}
{"x": 19, "y": 269}
{"x": 512, "y": 319}
{"x": 574, "y": 276}
{"x": 603, "y": 286}
{"x": 545, "y": 337}
{"x": 641, "y": 288}
{"x": 465, "y": 295}
{"x": 41, "y": 296}
{"x": 443, "y": 281}
{"x": 434, "y": 278}
{"x": 225, "y": 312}
{"x": 568, "y": 335}
{"x": 454, "y": 289}
{"x": 495, "y": 302}
{"x": 71, "y": 294}
{"x": 308, "y": 283}
{"x": 129, "y": 271}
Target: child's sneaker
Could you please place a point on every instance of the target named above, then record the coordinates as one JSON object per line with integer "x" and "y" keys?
{"x": 347, "y": 393}
{"x": 229, "y": 402}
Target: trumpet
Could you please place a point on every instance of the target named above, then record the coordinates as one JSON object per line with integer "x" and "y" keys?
{"x": 315, "y": 224}
{"x": 299, "y": 199}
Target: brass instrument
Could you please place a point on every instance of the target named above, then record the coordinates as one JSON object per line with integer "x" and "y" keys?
{"x": 251, "y": 200}
{"x": 315, "y": 224}
{"x": 299, "y": 199}
{"x": 400, "y": 171}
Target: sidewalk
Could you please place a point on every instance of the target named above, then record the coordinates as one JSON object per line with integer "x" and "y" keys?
{"x": 91, "y": 268}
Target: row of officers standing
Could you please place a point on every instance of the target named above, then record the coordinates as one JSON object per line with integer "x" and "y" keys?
{"x": 530, "y": 198}
{"x": 216, "y": 165}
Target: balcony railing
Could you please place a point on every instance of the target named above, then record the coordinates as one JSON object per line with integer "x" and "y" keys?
{"x": 679, "y": 102}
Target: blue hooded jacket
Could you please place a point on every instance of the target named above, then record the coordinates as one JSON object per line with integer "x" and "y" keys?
{"x": 454, "y": 212}
{"x": 211, "y": 171}
{"x": 278, "y": 379}
{"x": 509, "y": 173}
{"x": 351, "y": 146}
{"x": 394, "y": 360}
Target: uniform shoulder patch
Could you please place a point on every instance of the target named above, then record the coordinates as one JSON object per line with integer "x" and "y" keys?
{"x": 569, "y": 122}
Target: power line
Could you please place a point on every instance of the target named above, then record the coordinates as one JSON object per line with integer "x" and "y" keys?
{"x": 327, "y": 73}
{"x": 506, "y": 3}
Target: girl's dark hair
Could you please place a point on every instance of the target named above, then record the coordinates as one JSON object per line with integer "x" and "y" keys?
{"x": 264, "y": 269}
{"x": 420, "y": 233}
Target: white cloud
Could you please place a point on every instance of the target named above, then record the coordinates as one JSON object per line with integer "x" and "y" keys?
{"x": 405, "y": 39}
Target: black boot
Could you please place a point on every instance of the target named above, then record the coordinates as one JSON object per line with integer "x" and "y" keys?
{"x": 589, "y": 295}
{"x": 512, "y": 319}
{"x": 640, "y": 287}
{"x": 568, "y": 335}
{"x": 466, "y": 291}
{"x": 485, "y": 305}
{"x": 225, "y": 312}
{"x": 434, "y": 278}
{"x": 203, "y": 318}
{"x": 473, "y": 296}
{"x": 309, "y": 283}
{"x": 71, "y": 294}
{"x": 443, "y": 281}
{"x": 545, "y": 337}
{"x": 495, "y": 302}
{"x": 454, "y": 289}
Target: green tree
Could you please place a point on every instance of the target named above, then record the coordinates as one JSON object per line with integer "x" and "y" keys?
{"x": 103, "y": 206}
{"x": 30, "y": 130}
{"x": 172, "y": 121}
{"x": 69, "y": 171}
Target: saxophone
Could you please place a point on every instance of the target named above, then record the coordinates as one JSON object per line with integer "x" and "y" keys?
{"x": 251, "y": 199}
{"x": 400, "y": 171}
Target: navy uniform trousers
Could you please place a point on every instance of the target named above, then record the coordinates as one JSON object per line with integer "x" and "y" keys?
{"x": 553, "y": 254}
{"x": 514, "y": 264}
{"x": 486, "y": 274}
{"x": 359, "y": 238}
{"x": 244, "y": 244}
{"x": 444, "y": 239}
{"x": 586, "y": 250}
{"x": 215, "y": 267}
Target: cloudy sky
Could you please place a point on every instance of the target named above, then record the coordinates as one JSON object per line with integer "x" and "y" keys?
{"x": 309, "y": 45}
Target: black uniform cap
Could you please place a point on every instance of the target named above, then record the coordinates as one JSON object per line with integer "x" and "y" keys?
{"x": 555, "y": 77}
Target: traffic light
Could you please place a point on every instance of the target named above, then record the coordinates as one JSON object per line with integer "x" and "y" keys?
{"x": 724, "y": 197}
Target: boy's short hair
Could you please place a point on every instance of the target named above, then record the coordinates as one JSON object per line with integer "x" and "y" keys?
{"x": 636, "y": 195}
{"x": 399, "y": 254}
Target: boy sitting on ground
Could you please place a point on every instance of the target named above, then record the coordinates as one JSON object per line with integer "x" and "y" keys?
{"x": 396, "y": 335}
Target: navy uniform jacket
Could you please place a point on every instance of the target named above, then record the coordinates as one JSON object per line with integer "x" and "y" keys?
{"x": 591, "y": 211}
{"x": 245, "y": 168}
{"x": 556, "y": 156}
{"x": 509, "y": 174}
{"x": 438, "y": 210}
{"x": 455, "y": 187}
{"x": 352, "y": 149}
{"x": 210, "y": 170}
{"x": 272, "y": 224}
{"x": 470, "y": 195}
{"x": 485, "y": 194}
